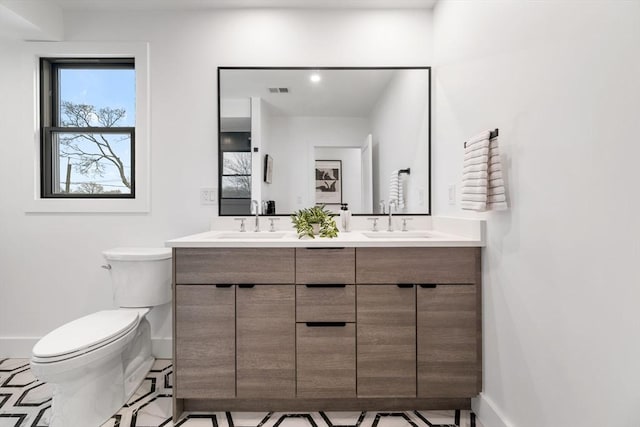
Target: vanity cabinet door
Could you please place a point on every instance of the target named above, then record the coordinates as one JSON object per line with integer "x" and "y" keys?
{"x": 386, "y": 340}
{"x": 449, "y": 345}
{"x": 265, "y": 339}
{"x": 326, "y": 360}
{"x": 205, "y": 342}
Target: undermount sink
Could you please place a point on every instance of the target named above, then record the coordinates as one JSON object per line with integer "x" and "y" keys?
{"x": 248, "y": 235}
{"x": 396, "y": 234}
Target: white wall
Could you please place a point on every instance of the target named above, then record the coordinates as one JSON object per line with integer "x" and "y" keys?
{"x": 400, "y": 123}
{"x": 256, "y": 156}
{"x": 49, "y": 264}
{"x": 265, "y": 132}
{"x": 291, "y": 143}
{"x": 561, "y": 283}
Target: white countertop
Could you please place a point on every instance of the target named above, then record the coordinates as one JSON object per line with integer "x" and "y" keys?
{"x": 441, "y": 232}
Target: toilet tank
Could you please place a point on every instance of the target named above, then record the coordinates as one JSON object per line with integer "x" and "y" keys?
{"x": 141, "y": 277}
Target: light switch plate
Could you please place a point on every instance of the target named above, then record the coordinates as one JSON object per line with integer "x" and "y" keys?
{"x": 452, "y": 194}
{"x": 208, "y": 196}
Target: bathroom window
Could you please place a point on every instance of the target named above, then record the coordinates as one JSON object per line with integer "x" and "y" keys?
{"x": 235, "y": 158}
{"x": 87, "y": 127}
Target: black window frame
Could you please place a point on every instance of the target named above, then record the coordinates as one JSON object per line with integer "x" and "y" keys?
{"x": 222, "y": 175}
{"x": 50, "y": 118}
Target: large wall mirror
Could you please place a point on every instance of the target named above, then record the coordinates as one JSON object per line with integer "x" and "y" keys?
{"x": 291, "y": 138}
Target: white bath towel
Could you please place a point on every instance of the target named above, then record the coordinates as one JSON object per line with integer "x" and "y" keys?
{"x": 396, "y": 190}
{"x": 482, "y": 184}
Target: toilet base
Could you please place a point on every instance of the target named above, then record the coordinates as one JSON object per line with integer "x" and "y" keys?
{"x": 94, "y": 393}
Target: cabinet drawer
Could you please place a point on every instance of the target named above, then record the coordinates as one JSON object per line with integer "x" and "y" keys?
{"x": 325, "y": 304}
{"x": 417, "y": 265}
{"x": 326, "y": 360}
{"x": 325, "y": 265}
{"x": 234, "y": 265}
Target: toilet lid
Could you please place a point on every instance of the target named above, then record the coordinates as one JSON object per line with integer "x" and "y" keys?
{"x": 86, "y": 332}
{"x": 137, "y": 254}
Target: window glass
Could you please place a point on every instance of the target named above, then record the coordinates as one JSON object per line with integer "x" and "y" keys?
{"x": 96, "y": 97}
{"x": 83, "y": 166}
{"x": 236, "y": 163}
{"x": 98, "y": 94}
{"x": 236, "y": 186}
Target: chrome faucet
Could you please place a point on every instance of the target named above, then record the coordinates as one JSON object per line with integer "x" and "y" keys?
{"x": 381, "y": 206}
{"x": 395, "y": 205}
{"x": 256, "y": 206}
{"x": 242, "y": 228}
{"x": 375, "y": 223}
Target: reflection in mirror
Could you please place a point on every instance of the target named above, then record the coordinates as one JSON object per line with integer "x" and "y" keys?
{"x": 294, "y": 137}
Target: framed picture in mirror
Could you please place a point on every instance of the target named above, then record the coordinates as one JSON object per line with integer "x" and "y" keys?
{"x": 328, "y": 182}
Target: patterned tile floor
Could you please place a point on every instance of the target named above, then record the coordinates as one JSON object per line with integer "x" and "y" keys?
{"x": 26, "y": 402}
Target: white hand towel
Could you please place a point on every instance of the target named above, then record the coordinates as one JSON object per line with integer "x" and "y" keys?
{"x": 396, "y": 190}
{"x": 496, "y": 192}
{"x": 482, "y": 183}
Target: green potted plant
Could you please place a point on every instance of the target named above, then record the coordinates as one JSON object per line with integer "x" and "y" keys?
{"x": 314, "y": 221}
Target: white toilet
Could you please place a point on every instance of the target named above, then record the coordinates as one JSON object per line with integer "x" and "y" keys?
{"x": 98, "y": 361}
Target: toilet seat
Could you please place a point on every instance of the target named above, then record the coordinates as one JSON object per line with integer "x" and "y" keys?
{"x": 86, "y": 334}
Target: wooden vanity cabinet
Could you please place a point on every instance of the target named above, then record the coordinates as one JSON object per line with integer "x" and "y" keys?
{"x": 443, "y": 284}
{"x": 234, "y": 323}
{"x": 235, "y": 341}
{"x": 325, "y": 328}
{"x": 384, "y": 328}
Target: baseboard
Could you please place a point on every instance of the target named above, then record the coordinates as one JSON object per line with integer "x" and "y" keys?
{"x": 488, "y": 413}
{"x": 20, "y": 347}
{"x": 162, "y": 348}
{"x": 326, "y": 404}
{"x": 16, "y": 348}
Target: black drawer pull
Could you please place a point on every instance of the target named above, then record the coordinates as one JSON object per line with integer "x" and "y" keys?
{"x": 405, "y": 285}
{"x": 324, "y": 285}
{"x": 224, "y": 285}
{"x": 246, "y": 286}
{"x": 428, "y": 285}
{"x": 325, "y": 324}
{"x": 325, "y": 248}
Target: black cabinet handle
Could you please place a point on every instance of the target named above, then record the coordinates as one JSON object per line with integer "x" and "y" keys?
{"x": 224, "y": 285}
{"x": 428, "y": 285}
{"x": 245, "y": 286}
{"x": 405, "y": 285}
{"x": 324, "y": 285}
{"x": 325, "y": 324}
{"x": 325, "y": 248}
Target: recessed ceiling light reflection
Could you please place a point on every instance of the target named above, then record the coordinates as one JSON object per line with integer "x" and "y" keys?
{"x": 315, "y": 78}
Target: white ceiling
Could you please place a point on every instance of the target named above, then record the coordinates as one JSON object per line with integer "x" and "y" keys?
{"x": 44, "y": 19}
{"x": 210, "y": 4}
{"x": 343, "y": 93}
